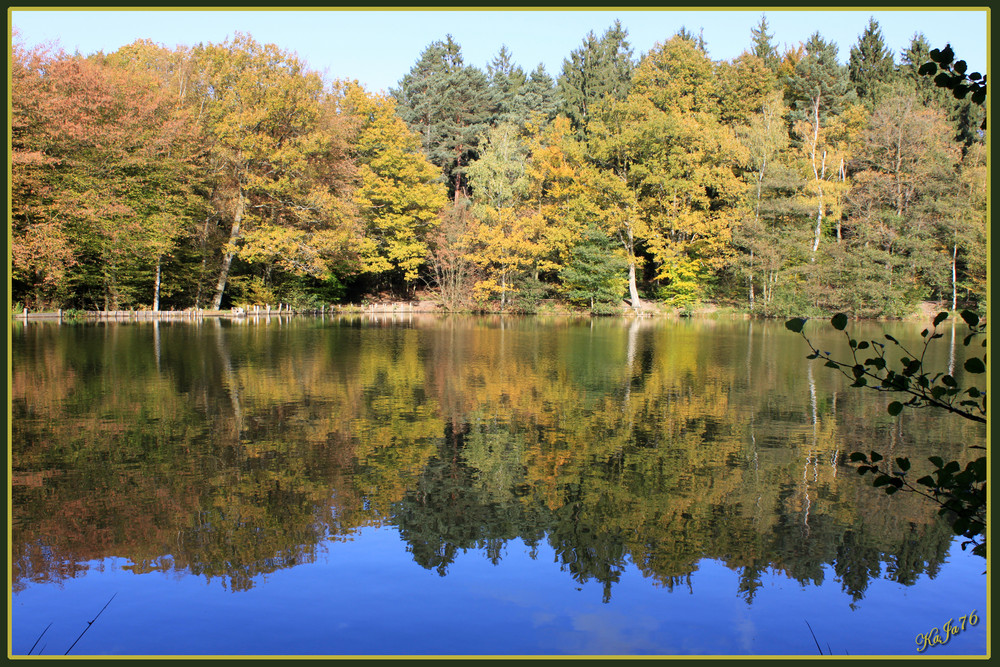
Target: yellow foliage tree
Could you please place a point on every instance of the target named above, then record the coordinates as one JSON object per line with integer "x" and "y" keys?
{"x": 400, "y": 194}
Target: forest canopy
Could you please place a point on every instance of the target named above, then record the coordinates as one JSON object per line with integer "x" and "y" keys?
{"x": 233, "y": 174}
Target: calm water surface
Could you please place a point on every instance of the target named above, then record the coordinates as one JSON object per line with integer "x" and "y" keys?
{"x": 472, "y": 486}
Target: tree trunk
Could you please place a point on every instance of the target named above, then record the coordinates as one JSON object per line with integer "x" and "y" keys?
{"x": 156, "y": 286}
{"x": 633, "y": 291}
{"x": 227, "y": 258}
{"x": 816, "y": 175}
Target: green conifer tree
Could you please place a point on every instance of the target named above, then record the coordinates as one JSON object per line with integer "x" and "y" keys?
{"x": 448, "y": 104}
{"x": 506, "y": 84}
{"x": 599, "y": 69}
{"x": 818, "y": 79}
{"x": 871, "y": 67}
{"x": 595, "y": 273}
{"x": 763, "y": 48}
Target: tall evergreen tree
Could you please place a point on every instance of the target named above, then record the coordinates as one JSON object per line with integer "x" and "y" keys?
{"x": 539, "y": 93}
{"x": 448, "y": 104}
{"x": 763, "y": 48}
{"x": 910, "y": 60}
{"x": 598, "y": 69}
{"x": 818, "y": 81}
{"x": 595, "y": 272}
{"x": 506, "y": 83}
{"x": 871, "y": 67}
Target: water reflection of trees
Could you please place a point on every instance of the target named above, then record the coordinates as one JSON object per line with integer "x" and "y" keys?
{"x": 233, "y": 450}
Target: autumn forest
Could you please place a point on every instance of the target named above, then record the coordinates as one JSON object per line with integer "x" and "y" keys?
{"x": 232, "y": 174}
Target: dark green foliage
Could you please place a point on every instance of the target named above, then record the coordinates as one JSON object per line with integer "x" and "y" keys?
{"x": 895, "y": 214}
{"x": 595, "y": 274}
{"x": 517, "y": 97}
{"x": 819, "y": 80}
{"x": 960, "y": 493}
{"x": 763, "y": 47}
{"x": 449, "y": 105}
{"x": 598, "y": 69}
{"x": 539, "y": 93}
{"x": 871, "y": 67}
{"x": 951, "y": 74}
{"x": 506, "y": 81}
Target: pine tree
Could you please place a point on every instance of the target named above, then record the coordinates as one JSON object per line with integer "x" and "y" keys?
{"x": 599, "y": 69}
{"x": 539, "y": 94}
{"x": 506, "y": 84}
{"x": 818, "y": 81}
{"x": 447, "y": 103}
{"x": 595, "y": 272}
{"x": 871, "y": 67}
{"x": 763, "y": 48}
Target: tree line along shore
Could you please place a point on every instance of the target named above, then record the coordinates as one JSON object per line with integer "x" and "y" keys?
{"x": 232, "y": 177}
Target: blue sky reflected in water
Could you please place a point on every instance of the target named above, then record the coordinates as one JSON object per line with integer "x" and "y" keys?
{"x": 366, "y": 596}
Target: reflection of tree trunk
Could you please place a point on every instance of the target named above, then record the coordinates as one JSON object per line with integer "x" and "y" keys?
{"x": 805, "y": 469}
{"x": 227, "y": 258}
{"x": 156, "y": 343}
{"x": 633, "y": 336}
{"x": 954, "y": 278}
{"x": 232, "y": 384}
{"x": 753, "y": 429}
{"x": 951, "y": 350}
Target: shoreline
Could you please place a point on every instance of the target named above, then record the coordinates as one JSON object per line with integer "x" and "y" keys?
{"x": 925, "y": 311}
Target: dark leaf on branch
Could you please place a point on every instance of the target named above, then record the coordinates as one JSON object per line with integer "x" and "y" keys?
{"x": 975, "y": 365}
{"x": 795, "y": 324}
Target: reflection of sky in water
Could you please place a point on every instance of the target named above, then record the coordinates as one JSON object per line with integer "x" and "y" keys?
{"x": 366, "y": 596}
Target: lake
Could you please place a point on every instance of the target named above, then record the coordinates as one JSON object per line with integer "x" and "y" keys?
{"x": 432, "y": 485}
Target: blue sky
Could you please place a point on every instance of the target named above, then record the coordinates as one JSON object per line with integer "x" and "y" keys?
{"x": 378, "y": 47}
